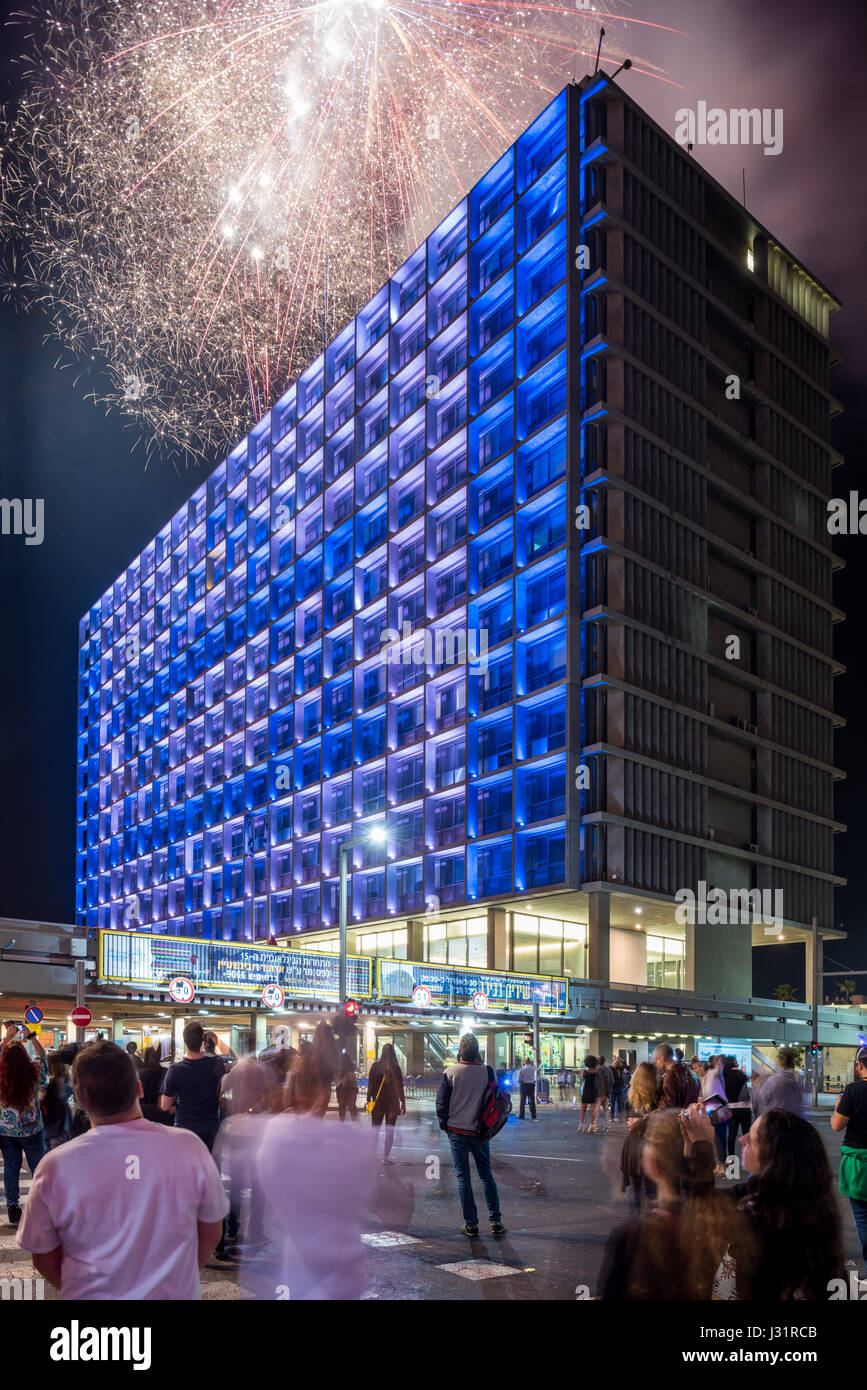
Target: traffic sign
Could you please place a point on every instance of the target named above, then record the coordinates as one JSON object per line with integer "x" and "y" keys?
{"x": 421, "y": 996}
{"x": 34, "y": 1014}
{"x": 480, "y": 1002}
{"x": 81, "y": 1016}
{"x": 273, "y": 996}
{"x": 182, "y": 990}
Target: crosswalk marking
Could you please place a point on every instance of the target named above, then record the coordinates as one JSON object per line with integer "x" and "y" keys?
{"x": 383, "y": 1239}
{"x": 479, "y": 1269}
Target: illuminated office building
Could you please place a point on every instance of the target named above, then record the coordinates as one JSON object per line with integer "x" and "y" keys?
{"x": 474, "y": 578}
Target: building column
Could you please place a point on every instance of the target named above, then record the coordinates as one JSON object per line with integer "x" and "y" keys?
{"x": 369, "y": 1044}
{"x": 808, "y": 964}
{"x": 599, "y": 936}
{"x": 602, "y": 1041}
{"x": 117, "y": 1030}
{"x": 497, "y": 944}
{"x": 260, "y": 1030}
{"x": 415, "y": 1051}
{"x": 415, "y": 939}
{"x": 488, "y": 1043}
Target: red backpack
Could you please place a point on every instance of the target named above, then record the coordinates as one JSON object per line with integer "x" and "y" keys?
{"x": 496, "y": 1108}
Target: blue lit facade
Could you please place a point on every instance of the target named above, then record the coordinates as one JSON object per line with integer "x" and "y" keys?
{"x": 241, "y": 711}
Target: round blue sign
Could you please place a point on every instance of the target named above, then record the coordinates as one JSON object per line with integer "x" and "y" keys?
{"x": 33, "y": 1014}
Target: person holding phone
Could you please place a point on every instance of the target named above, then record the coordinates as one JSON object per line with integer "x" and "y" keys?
{"x": 21, "y": 1123}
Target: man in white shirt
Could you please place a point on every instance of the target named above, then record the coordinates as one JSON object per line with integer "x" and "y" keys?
{"x": 129, "y": 1210}
{"x": 527, "y": 1079}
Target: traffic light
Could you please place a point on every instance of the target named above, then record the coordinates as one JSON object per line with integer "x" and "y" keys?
{"x": 815, "y": 1049}
{"x": 528, "y": 1039}
{"x": 345, "y": 1022}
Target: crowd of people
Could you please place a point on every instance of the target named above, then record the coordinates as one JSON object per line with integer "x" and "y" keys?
{"x": 142, "y": 1172}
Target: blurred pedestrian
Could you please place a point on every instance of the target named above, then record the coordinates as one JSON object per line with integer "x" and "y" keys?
{"x": 459, "y": 1103}
{"x": 245, "y": 1100}
{"x": 385, "y": 1090}
{"x": 604, "y": 1087}
{"x": 132, "y": 1049}
{"x": 588, "y": 1096}
{"x": 850, "y": 1113}
{"x": 151, "y": 1077}
{"x": 561, "y": 1083}
{"x": 713, "y": 1098}
{"x": 618, "y": 1089}
{"x": 21, "y": 1124}
{"x": 781, "y": 1090}
{"x": 737, "y": 1088}
{"x": 55, "y": 1104}
{"x": 674, "y": 1251}
{"x": 792, "y": 1246}
{"x": 346, "y": 1089}
{"x": 677, "y": 1087}
{"x": 315, "y": 1180}
{"x": 129, "y": 1210}
{"x": 641, "y": 1100}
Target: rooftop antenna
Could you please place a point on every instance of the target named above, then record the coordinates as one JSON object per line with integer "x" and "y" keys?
{"x": 626, "y": 64}
{"x": 599, "y": 49}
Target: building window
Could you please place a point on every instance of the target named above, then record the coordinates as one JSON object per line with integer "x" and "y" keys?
{"x": 666, "y": 958}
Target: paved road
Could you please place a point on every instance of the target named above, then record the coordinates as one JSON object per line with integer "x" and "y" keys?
{"x": 560, "y": 1196}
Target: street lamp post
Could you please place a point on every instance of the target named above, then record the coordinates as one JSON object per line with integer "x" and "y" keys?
{"x": 375, "y": 836}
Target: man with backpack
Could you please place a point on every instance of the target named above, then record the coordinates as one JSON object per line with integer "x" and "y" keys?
{"x": 464, "y": 1091}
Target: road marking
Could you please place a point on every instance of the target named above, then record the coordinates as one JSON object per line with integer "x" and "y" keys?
{"x": 506, "y": 1153}
{"x": 479, "y": 1269}
{"x": 383, "y": 1239}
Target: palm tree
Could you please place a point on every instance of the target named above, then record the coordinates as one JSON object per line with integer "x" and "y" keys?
{"x": 847, "y": 989}
{"x": 786, "y": 993}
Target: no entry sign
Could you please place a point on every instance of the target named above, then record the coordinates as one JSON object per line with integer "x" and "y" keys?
{"x": 81, "y": 1016}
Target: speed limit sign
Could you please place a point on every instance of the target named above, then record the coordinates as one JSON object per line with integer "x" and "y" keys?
{"x": 273, "y": 996}
{"x": 182, "y": 990}
{"x": 480, "y": 1002}
{"x": 421, "y": 997}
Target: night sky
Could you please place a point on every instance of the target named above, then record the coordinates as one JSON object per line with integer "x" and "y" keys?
{"x": 102, "y": 505}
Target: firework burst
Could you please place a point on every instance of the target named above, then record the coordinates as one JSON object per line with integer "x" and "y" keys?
{"x": 200, "y": 192}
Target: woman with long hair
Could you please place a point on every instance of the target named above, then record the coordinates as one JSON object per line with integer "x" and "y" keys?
{"x": 55, "y": 1104}
{"x": 385, "y": 1089}
{"x": 21, "y": 1124}
{"x": 346, "y": 1088}
{"x": 589, "y": 1099}
{"x": 795, "y": 1246}
{"x": 640, "y": 1102}
{"x": 674, "y": 1250}
{"x": 151, "y": 1078}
